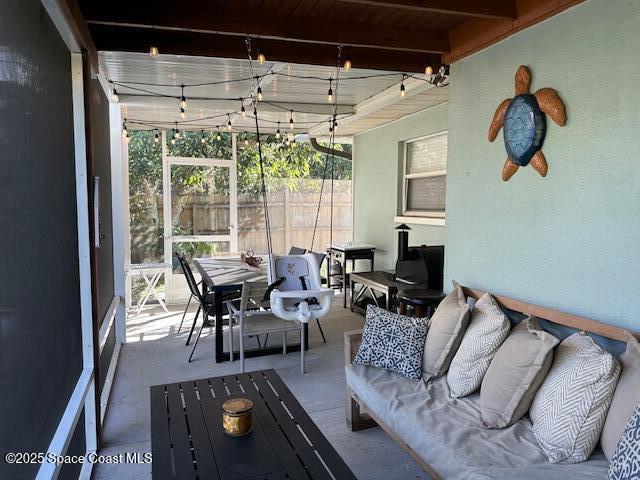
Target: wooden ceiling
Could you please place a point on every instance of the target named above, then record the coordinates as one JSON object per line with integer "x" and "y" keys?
{"x": 400, "y": 35}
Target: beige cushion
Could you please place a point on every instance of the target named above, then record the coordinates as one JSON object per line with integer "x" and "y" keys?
{"x": 448, "y": 325}
{"x": 625, "y": 399}
{"x": 570, "y": 408}
{"x": 488, "y": 328}
{"x": 515, "y": 374}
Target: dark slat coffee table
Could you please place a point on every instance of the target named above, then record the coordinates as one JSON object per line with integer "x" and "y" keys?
{"x": 188, "y": 441}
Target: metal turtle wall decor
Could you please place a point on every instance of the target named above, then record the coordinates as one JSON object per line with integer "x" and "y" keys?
{"x": 524, "y": 124}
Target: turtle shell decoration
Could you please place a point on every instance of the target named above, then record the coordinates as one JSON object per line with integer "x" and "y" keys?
{"x": 524, "y": 124}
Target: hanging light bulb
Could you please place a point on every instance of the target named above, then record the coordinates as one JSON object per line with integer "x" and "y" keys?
{"x": 183, "y": 99}
{"x": 278, "y": 131}
{"x": 202, "y": 139}
{"x": 183, "y": 114}
{"x": 153, "y": 51}
{"x": 403, "y": 91}
{"x": 156, "y": 137}
{"x": 125, "y": 132}
{"x": 176, "y": 132}
{"x": 291, "y": 120}
{"x": 261, "y": 57}
{"x": 173, "y": 141}
{"x": 243, "y": 112}
{"x": 330, "y": 92}
{"x": 347, "y": 62}
{"x": 229, "y": 123}
{"x": 259, "y": 94}
{"x": 218, "y": 136}
{"x": 428, "y": 70}
{"x": 246, "y": 141}
{"x": 335, "y": 125}
{"x": 114, "y": 95}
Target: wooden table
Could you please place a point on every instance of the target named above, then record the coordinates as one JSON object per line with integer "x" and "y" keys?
{"x": 343, "y": 253}
{"x": 188, "y": 442}
{"x": 222, "y": 275}
{"x": 372, "y": 282}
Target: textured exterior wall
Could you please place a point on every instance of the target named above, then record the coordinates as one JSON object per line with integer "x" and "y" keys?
{"x": 377, "y": 184}
{"x": 569, "y": 241}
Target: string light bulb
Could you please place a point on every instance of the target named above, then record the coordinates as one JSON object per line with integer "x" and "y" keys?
{"x": 246, "y": 141}
{"x": 347, "y": 62}
{"x": 330, "y": 92}
{"x": 156, "y": 137}
{"x": 428, "y": 70}
{"x": 202, "y": 139}
{"x": 114, "y": 95}
{"x": 229, "y": 123}
{"x": 243, "y": 112}
{"x": 261, "y": 57}
{"x": 176, "y": 133}
{"x": 291, "y": 120}
{"x": 218, "y": 136}
{"x": 153, "y": 51}
{"x": 278, "y": 131}
{"x": 335, "y": 125}
{"x": 173, "y": 141}
{"x": 125, "y": 132}
{"x": 183, "y": 113}
{"x": 259, "y": 94}
{"x": 403, "y": 90}
{"x": 183, "y": 99}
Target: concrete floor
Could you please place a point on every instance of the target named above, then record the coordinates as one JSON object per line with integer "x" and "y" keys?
{"x": 156, "y": 354}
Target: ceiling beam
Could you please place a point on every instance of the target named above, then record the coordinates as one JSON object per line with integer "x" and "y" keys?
{"x": 125, "y": 39}
{"x": 500, "y": 9}
{"x": 261, "y": 25}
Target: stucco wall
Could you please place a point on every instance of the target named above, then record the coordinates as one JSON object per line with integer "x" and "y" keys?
{"x": 376, "y": 184}
{"x": 570, "y": 241}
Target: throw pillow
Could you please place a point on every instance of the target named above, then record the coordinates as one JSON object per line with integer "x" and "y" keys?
{"x": 625, "y": 464}
{"x": 393, "y": 342}
{"x": 515, "y": 374}
{"x": 625, "y": 398}
{"x": 448, "y": 324}
{"x": 569, "y": 410}
{"x": 488, "y": 328}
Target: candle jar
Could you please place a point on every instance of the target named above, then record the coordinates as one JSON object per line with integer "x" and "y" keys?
{"x": 236, "y": 416}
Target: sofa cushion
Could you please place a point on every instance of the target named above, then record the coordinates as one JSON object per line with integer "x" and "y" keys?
{"x": 393, "y": 342}
{"x": 625, "y": 464}
{"x": 515, "y": 374}
{"x": 625, "y": 399}
{"x": 447, "y": 433}
{"x": 488, "y": 328}
{"x": 448, "y": 324}
{"x": 570, "y": 408}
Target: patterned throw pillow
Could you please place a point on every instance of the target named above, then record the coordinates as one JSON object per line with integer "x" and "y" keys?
{"x": 570, "y": 408}
{"x": 393, "y": 342}
{"x": 487, "y": 330}
{"x": 625, "y": 464}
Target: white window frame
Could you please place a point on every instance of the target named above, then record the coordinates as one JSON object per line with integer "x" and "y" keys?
{"x": 425, "y": 217}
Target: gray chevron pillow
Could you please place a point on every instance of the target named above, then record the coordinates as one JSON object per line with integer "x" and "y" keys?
{"x": 625, "y": 464}
{"x": 393, "y": 342}
{"x": 488, "y": 328}
{"x": 570, "y": 408}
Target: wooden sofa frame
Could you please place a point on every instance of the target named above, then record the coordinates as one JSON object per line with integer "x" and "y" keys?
{"x": 359, "y": 416}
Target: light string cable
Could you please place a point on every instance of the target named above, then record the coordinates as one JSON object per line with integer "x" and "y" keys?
{"x": 332, "y": 132}
{"x": 255, "y": 83}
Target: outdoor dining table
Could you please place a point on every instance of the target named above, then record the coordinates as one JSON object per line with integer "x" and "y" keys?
{"x": 224, "y": 275}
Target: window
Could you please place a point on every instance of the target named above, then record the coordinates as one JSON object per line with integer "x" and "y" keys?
{"x": 425, "y": 178}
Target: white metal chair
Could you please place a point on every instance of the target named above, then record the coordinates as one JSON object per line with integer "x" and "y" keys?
{"x": 297, "y": 292}
{"x": 253, "y": 320}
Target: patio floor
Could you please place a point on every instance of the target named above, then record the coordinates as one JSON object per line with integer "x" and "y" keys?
{"x": 155, "y": 354}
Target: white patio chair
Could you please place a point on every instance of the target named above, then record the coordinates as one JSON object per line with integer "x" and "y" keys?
{"x": 297, "y": 292}
{"x": 252, "y": 320}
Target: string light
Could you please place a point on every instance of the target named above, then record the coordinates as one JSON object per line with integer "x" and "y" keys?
{"x": 183, "y": 99}
{"x": 278, "y": 131}
{"x": 428, "y": 70}
{"x": 330, "y": 92}
{"x": 291, "y": 120}
{"x": 259, "y": 94}
{"x": 173, "y": 141}
{"x": 125, "y": 132}
{"x": 202, "y": 139}
{"x": 261, "y": 57}
{"x": 347, "y": 62}
{"x": 114, "y": 95}
{"x": 246, "y": 141}
{"x": 153, "y": 51}
{"x": 218, "y": 136}
{"x": 183, "y": 114}
{"x": 229, "y": 123}
{"x": 243, "y": 112}
{"x": 335, "y": 125}
{"x": 403, "y": 91}
{"x": 176, "y": 134}
{"x": 156, "y": 137}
